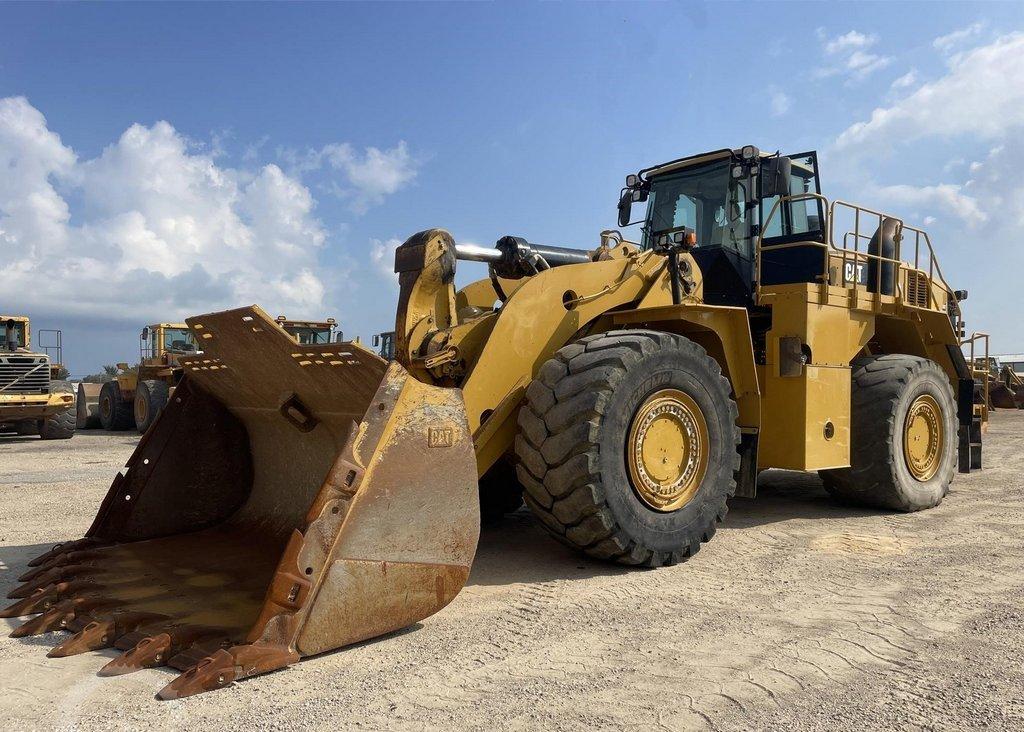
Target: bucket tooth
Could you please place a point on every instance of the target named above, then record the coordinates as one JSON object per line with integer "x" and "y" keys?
{"x": 64, "y": 548}
{"x": 97, "y": 634}
{"x": 45, "y": 598}
{"x": 37, "y": 602}
{"x": 65, "y": 615}
{"x": 56, "y": 618}
{"x": 50, "y": 576}
{"x": 61, "y": 560}
{"x": 102, "y": 633}
{"x": 163, "y": 646}
{"x": 149, "y": 652}
{"x": 225, "y": 666}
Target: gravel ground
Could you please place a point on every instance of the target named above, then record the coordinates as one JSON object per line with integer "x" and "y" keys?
{"x": 799, "y": 615}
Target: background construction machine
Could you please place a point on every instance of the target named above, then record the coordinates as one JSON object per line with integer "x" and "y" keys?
{"x": 310, "y": 331}
{"x": 33, "y": 397}
{"x": 385, "y": 344}
{"x": 136, "y": 395}
{"x": 292, "y": 500}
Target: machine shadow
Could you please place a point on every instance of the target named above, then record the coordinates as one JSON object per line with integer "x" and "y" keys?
{"x": 516, "y": 549}
{"x": 786, "y": 494}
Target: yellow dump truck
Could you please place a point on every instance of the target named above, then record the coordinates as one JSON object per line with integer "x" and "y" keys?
{"x": 33, "y": 399}
{"x": 296, "y": 498}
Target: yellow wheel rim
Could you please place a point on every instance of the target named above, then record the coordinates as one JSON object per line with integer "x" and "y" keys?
{"x": 667, "y": 450}
{"x": 923, "y": 438}
{"x": 141, "y": 409}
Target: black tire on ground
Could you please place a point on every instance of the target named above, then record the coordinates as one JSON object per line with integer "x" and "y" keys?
{"x": 500, "y": 492}
{"x": 571, "y": 446}
{"x": 884, "y": 389}
{"x": 60, "y": 426}
{"x": 27, "y": 428}
{"x": 115, "y": 411}
{"x": 150, "y": 399}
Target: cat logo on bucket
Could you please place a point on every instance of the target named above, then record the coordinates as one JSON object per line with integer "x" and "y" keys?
{"x": 440, "y": 437}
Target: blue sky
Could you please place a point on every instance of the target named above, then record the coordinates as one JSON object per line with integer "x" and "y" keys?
{"x": 313, "y": 138}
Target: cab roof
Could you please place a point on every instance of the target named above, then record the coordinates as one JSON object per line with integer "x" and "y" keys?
{"x": 699, "y": 159}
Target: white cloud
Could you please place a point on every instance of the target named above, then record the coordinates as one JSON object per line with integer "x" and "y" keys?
{"x": 374, "y": 174}
{"x": 905, "y": 81}
{"x": 849, "y": 42}
{"x": 848, "y": 55}
{"x": 382, "y": 256}
{"x": 950, "y": 41}
{"x": 158, "y": 229}
{"x": 982, "y": 94}
{"x": 780, "y": 102}
{"x": 370, "y": 176}
{"x": 947, "y": 197}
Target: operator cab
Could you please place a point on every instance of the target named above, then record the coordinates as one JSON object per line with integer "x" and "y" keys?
{"x": 161, "y": 338}
{"x": 723, "y": 199}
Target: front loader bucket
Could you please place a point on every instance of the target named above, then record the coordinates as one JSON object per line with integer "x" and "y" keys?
{"x": 1001, "y": 396}
{"x": 87, "y": 406}
{"x": 290, "y": 499}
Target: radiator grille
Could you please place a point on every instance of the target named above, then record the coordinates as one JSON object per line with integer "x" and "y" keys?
{"x": 24, "y": 374}
{"x": 917, "y": 289}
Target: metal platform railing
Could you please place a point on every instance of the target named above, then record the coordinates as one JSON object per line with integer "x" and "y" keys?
{"x": 912, "y": 282}
{"x": 979, "y": 372}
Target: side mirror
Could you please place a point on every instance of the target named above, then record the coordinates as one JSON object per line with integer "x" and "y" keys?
{"x": 776, "y": 174}
{"x": 145, "y": 333}
{"x": 376, "y": 341}
{"x": 625, "y": 207}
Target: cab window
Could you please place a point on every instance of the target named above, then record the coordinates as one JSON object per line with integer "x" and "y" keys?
{"x": 796, "y": 219}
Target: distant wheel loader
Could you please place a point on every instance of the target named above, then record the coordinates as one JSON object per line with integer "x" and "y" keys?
{"x": 135, "y": 397}
{"x": 385, "y": 345}
{"x": 34, "y": 400}
{"x": 296, "y": 498}
{"x": 312, "y": 332}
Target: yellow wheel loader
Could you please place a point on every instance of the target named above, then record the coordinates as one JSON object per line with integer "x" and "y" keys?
{"x": 34, "y": 400}
{"x": 135, "y": 397}
{"x": 295, "y": 498}
{"x": 311, "y": 331}
{"x": 385, "y": 344}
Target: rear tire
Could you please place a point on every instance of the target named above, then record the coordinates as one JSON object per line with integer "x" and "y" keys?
{"x": 583, "y": 432}
{"x": 115, "y": 411}
{"x": 898, "y": 401}
{"x": 60, "y": 426}
{"x": 150, "y": 398}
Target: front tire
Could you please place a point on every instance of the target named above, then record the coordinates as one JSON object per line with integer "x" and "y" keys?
{"x": 59, "y": 426}
{"x": 903, "y": 435}
{"x": 628, "y": 446}
{"x": 115, "y": 410}
{"x": 150, "y": 398}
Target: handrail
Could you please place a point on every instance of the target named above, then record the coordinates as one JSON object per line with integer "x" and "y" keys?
{"x": 828, "y": 228}
{"x": 973, "y": 363}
